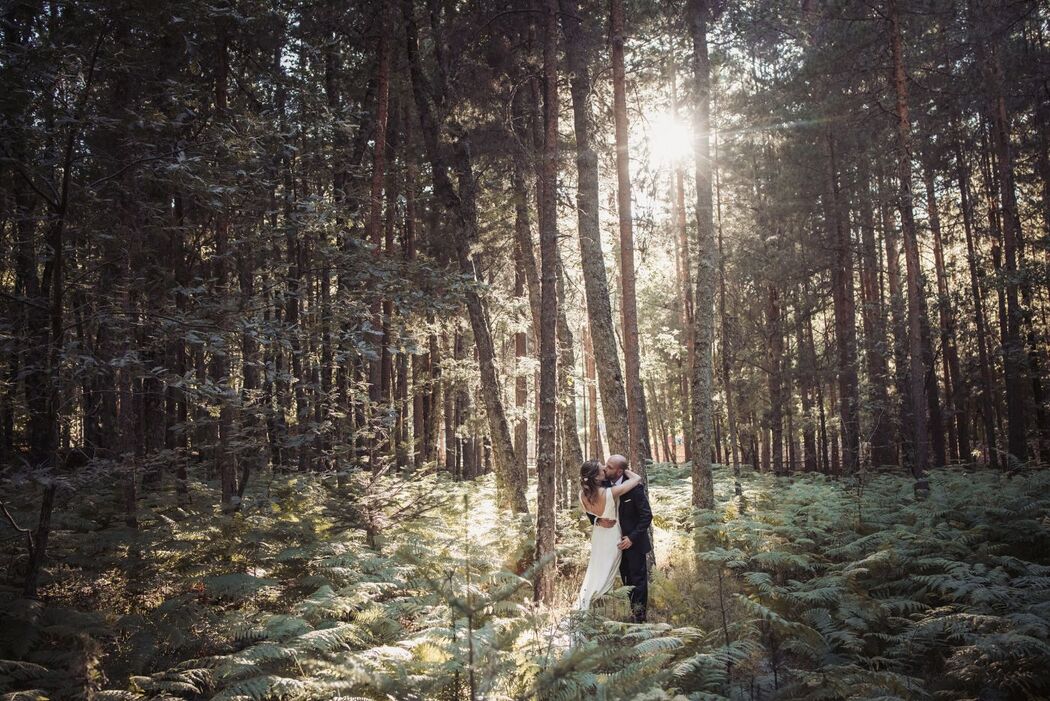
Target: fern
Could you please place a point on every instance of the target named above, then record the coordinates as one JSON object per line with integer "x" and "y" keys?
{"x": 802, "y": 584}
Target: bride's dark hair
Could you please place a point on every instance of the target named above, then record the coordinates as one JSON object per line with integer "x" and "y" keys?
{"x": 589, "y": 472}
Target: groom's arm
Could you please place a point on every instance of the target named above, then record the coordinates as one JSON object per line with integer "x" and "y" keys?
{"x": 604, "y": 523}
{"x": 645, "y": 514}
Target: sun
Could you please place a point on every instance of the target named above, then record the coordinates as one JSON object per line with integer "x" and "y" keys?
{"x": 670, "y": 139}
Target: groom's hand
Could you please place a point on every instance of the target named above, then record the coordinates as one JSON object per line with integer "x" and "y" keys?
{"x": 606, "y": 522}
{"x": 624, "y": 543}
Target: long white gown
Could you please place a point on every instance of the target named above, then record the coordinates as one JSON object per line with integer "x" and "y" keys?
{"x": 604, "y": 565}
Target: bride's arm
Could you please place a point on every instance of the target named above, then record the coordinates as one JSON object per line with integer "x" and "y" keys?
{"x": 632, "y": 481}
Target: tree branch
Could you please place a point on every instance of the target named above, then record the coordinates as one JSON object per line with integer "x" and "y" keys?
{"x": 20, "y": 529}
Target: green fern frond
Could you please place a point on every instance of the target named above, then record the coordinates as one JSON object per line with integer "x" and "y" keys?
{"x": 263, "y": 688}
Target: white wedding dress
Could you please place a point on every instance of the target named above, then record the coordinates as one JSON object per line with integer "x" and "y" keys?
{"x": 604, "y": 565}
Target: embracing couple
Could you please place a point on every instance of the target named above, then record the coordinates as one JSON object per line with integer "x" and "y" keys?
{"x": 616, "y": 503}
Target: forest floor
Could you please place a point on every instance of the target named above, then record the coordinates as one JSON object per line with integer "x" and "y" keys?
{"x": 419, "y": 589}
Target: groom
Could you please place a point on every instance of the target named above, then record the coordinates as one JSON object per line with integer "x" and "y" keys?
{"x": 635, "y": 518}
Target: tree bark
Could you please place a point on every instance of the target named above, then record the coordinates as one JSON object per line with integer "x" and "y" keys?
{"x": 776, "y": 383}
{"x": 955, "y": 387}
{"x": 636, "y": 419}
{"x": 545, "y": 452}
{"x": 594, "y": 435}
{"x": 844, "y": 309}
{"x": 596, "y": 286}
{"x": 988, "y": 398}
{"x": 572, "y": 454}
{"x": 876, "y": 341}
{"x": 707, "y": 262}
{"x": 521, "y": 381}
{"x": 898, "y": 316}
{"x": 806, "y": 363}
{"x": 43, "y": 384}
{"x": 220, "y": 366}
{"x": 374, "y": 232}
{"x": 685, "y": 282}
{"x": 461, "y": 207}
{"x": 822, "y": 415}
{"x": 911, "y": 248}
{"x": 724, "y": 330}
{"x": 1013, "y": 348}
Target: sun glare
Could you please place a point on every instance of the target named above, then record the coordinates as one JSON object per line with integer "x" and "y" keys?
{"x": 670, "y": 139}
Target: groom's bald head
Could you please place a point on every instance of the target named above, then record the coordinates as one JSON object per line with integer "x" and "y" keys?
{"x": 615, "y": 466}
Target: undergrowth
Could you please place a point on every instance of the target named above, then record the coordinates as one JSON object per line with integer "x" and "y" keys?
{"x": 417, "y": 588}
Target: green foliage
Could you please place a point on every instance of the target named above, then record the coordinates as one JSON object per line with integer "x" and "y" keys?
{"x": 804, "y": 588}
{"x": 857, "y": 590}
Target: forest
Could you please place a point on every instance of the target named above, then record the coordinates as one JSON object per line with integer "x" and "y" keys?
{"x": 312, "y": 312}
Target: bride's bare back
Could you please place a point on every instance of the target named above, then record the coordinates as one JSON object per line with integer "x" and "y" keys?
{"x": 597, "y": 507}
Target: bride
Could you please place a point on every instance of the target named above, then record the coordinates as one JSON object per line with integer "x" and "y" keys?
{"x": 601, "y": 502}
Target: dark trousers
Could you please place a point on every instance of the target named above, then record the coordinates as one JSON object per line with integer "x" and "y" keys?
{"x": 634, "y": 572}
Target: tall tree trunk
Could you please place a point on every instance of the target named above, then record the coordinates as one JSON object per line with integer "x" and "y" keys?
{"x": 461, "y": 206}
{"x": 706, "y": 277}
{"x": 572, "y": 454}
{"x": 836, "y": 464}
{"x": 521, "y": 381}
{"x": 988, "y": 398}
{"x": 523, "y": 238}
{"x": 776, "y": 380}
{"x": 955, "y": 387}
{"x": 525, "y": 264}
{"x": 726, "y": 344}
{"x": 375, "y": 201}
{"x": 43, "y": 382}
{"x": 545, "y": 452}
{"x": 434, "y": 401}
{"x": 596, "y": 287}
{"x": 128, "y": 416}
{"x": 898, "y": 316}
{"x": 389, "y": 446}
{"x": 938, "y": 445}
{"x": 417, "y": 367}
{"x": 805, "y": 390}
{"x": 220, "y": 366}
{"x": 684, "y": 285}
{"x": 1013, "y": 348}
{"x": 685, "y": 281}
{"x": 822, "y": 418}
{"x": 636, "y": 418}
{"x": 911, "y": 248}
{"x": 252, "y": 458}
{"x": 386, "y": 357}
{"x": 876, "y": 341}
{"x": 844, "y": 308}
{"x": 593, "y": 432}
{"x": 293, "y": 359}
{"x": 294, "y": 257}
{"x": 179, "y": 413}
{"x": 449, "y": 413}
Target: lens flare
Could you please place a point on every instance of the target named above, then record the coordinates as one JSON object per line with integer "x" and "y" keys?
{"x": 670, "y": 139}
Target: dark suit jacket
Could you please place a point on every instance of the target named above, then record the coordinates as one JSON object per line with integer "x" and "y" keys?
{"x": 635, "y": 516}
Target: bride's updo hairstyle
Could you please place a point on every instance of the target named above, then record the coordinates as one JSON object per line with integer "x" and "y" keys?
{"x": 589, "y": 473}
